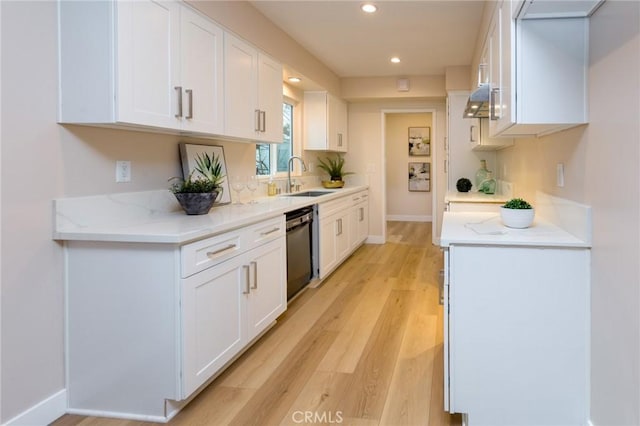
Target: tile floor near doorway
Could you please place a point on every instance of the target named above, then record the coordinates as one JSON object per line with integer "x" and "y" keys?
{"x": 363, "y": 348}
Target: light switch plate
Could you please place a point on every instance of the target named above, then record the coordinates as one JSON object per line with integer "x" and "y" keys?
{"x": 123, "y": 171}
{"x": 560, "y": 175}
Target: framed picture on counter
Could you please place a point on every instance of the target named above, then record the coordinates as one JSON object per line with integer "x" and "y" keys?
{"x": 188, "y": 154}
{"x": 419, "y": 177}
{"x": 419, "y": 141}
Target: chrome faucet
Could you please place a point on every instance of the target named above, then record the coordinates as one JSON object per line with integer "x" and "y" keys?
{"x": 304, "y": 169}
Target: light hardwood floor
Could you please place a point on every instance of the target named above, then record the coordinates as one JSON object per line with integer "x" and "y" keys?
{"x": 363, "y": 348}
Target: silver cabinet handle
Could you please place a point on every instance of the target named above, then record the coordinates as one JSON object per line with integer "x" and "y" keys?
{"x": 255, "y": 275}
{"x": 190, "y": 95}
{"x": 361, "y": 214}
{"x": 257, "y": 123}
{"x": 179, "y": 114}
{"x": 471, "y": 135}
{"x": 263, "y": 121}
{"x": 269, "y": 232}
{"x": 445, "y": 166}
{"x": 492, "y": 108}
{"x": 339, "y": 221}
{"x": 247, "y": 289}
{"x": 339, "y": 139}
{"x": 212, "y": 254}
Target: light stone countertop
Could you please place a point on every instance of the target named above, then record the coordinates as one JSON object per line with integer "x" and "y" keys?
{"x": 156, "y": 217}
{"x": 481, "y": 228}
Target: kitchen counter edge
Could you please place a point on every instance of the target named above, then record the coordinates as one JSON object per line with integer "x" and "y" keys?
{"x": 140, "y": 223}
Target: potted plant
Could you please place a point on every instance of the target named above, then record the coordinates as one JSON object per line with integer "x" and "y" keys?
{"x": 196, "y": 195}
{"x": 517, "y": 213}
{"x": 333, "y": 167}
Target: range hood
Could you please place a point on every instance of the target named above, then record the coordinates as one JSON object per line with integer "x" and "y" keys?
{"x": 478, "y": 103}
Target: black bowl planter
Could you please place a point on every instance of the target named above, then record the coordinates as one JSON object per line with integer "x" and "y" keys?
{"x": 197, "y": 202}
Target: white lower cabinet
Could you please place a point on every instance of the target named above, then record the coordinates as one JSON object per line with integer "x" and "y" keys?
{"x": 227, "y": 306}
{"x": 148, "y": 324}
{"x": 517, "y": 334}
{"x": 344, "y": 226}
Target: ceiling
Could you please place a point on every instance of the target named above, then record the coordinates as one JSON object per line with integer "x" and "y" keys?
{"x": 427, "y": 35}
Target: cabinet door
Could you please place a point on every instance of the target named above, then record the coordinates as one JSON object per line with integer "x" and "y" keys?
{"x": 202, "y": 74}
{"x": 270, "y": 99}
{"x": 268, "y": 286}
{"x": 341, "y": 224}
{"x": 358, "y": 224}
{"x": 336, "y": 124}
{"x": 240, "y": 84}
{"x": 507, "y": 73}
{"x": 148, "y": 65}
{"x": 495, "y": 73}
{"x": 363, "y": 221}
{"x": 212, "y": 320}
{"x": 328, "y": 253}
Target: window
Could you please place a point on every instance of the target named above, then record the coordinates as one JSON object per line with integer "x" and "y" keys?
{"x": 274, "y": 158}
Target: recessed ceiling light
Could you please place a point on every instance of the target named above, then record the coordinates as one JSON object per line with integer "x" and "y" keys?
{"x": 369, "y": 7}
{"x": 294, "y": 79}
{"x": 395, "y": 60}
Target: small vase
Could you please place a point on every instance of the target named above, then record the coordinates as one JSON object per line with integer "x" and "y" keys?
{"x": 481, "y": 174}
{"x": 195, "y": 203}
{"x": 488, "y": 186}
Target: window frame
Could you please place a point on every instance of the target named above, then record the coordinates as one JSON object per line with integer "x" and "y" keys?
{"x": 296, "y": 145}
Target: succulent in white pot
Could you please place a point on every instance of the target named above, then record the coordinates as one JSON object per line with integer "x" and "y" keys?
{"x": 517, "y": 213}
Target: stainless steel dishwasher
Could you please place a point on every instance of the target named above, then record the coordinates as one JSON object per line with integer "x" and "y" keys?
{"x": 299, "y": 250}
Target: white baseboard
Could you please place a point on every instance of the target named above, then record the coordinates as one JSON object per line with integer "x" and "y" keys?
{"x": 409, "y": 218}
{"x": 43, "y": 413}
{"x": 375, "y": 239}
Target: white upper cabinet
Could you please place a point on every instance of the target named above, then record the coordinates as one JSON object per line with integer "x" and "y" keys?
{"x": 143, "y": 63}
{"x": 253, "y": 93}
{"x": 538, "y": 73}
{"x": 202, "y": 51}
{"x": 325, "y": 122}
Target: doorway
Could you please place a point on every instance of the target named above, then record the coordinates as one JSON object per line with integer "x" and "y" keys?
{"x": 409, "y": 152}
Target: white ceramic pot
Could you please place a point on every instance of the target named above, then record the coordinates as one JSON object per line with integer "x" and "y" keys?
{"x": 517, "y": 218}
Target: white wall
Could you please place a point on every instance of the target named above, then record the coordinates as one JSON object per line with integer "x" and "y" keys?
{"x": 366, "y": 150}
{"x": 401, "y": 203}
{"x": 602, "y": 169}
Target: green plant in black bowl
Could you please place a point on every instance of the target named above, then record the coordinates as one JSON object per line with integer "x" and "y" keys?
{"x": 463, "y": 185}
{"x": 196, "y": 195}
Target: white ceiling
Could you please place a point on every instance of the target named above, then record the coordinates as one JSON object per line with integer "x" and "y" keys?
{"x": 428, "y": 35}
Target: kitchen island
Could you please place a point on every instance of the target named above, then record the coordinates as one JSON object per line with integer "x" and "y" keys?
{"x": 517, "y": 315}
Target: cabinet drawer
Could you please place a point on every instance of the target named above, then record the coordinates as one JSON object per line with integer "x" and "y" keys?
{"x": 359, "y": 197}
{"x": 334, "y": 206}
{"x": 204, "y": 254}
{"x": 266, "y": 231}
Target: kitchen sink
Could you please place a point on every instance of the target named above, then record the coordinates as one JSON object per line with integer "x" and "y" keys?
{"x": 308, "y": 194}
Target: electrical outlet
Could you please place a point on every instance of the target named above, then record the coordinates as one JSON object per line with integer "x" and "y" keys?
{"x": 560, "y": 175}
{"x": 123, "y": 171}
